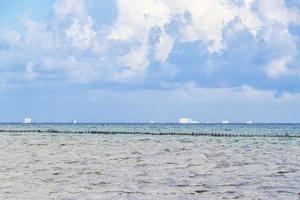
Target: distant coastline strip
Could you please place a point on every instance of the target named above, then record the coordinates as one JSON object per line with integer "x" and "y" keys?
{"x": 150, "y": 133}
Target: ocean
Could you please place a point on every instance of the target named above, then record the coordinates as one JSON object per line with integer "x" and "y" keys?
{"x": 149, "y": 161}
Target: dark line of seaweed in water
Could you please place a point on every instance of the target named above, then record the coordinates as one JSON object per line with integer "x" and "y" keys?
{"x": 152, "y": 133}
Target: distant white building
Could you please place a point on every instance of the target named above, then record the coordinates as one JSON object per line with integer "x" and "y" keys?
{"x": 27, "y": 120}
{"x": 225, "y": 122}
{"x": 249, "y": 122}
{"x": 187, "y": 121}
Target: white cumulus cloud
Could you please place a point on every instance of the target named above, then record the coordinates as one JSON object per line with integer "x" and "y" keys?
{"x": 278, "y": 68}
{"x": 123, "y": 49}
{"x": 81, "y": 34}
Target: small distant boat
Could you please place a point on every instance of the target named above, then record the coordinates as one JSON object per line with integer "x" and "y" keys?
{"x": 74, "y": 121}
{"x": 27, "y": 120}
{"x": 185, "y": 120}
{"x": 225, "y": 122}
{"x": 249, "y": 122}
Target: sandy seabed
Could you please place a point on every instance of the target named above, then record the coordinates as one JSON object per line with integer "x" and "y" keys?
{"x": 87, "y": 166}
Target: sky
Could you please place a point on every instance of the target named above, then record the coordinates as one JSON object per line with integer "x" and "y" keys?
{"x": 150, "y": 60}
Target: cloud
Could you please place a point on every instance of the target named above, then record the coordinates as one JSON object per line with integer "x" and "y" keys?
{"x": 278, "y": 68}
{"x": 66, "y": 8}
{"x": 191, "y": 92}
{"x": 198, "y": 22}
{"x": 135, "y": 62}
{"x": 275, "y": 11}
{"x": 228, "y": 38}
{"x": 81, "y": 34}
{"x": 31, "y": 74}
{"x": 158, "y": 59}
{"x": 164, "y": 47}
{"x": 12, "y": 37}
{"x": 208, "y": 27}
{"x": 80, "y": 70}
{"x": 237, "y": 104}
{"x": 136, "y": 19}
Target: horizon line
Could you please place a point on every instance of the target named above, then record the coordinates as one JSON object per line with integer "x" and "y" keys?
{"x": 150, "y": 123}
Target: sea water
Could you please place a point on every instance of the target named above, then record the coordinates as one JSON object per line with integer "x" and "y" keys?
{"x": 87, "y": 161}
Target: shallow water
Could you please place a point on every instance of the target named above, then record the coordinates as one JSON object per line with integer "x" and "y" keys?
{"x": 268, "y": 130}
{"x": 97, "y": 166}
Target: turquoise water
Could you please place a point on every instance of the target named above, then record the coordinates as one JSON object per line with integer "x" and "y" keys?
{"x": 54, "y": 161}
{"x": 197, "y": 129}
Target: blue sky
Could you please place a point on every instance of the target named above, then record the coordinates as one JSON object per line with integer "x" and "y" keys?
{"x": 150, "y": 60}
